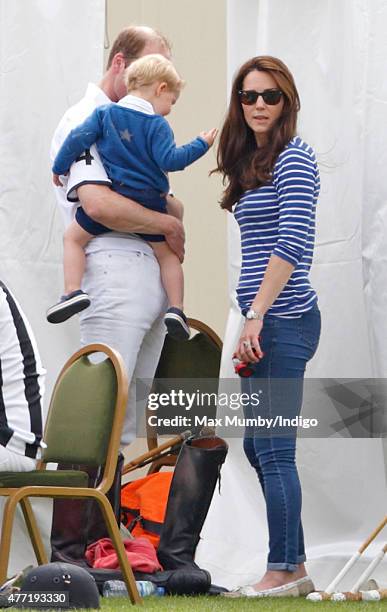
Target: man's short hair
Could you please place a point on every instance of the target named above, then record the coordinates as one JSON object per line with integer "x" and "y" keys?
{"x": 132, "y": 40}
{"x": 151, "y": 69}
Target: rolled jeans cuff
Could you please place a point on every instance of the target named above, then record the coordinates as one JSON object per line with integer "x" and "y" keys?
{"x": 289, "y": 567}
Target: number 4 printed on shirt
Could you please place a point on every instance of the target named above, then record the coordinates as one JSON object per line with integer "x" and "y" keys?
{"x": 87, "y": 157}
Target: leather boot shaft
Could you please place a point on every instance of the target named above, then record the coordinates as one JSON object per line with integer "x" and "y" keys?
{"x": 196, "y": 473}
{"x": 97, "y": 528}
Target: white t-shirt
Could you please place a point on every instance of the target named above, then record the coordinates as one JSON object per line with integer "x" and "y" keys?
{"x": 21, "y": 381}
{"x": 88, "y": 169}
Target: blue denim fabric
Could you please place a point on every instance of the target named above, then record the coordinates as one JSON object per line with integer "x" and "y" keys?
{"x": 288, "y": 344}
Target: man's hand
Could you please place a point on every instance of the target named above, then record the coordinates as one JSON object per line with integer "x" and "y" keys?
{"x": 124, "y": 215}
{"x": 175, "y": 235}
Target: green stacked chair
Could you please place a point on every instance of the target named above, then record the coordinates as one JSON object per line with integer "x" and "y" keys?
{"x": 84, "y": 427}
{"x": 190, "y": 366}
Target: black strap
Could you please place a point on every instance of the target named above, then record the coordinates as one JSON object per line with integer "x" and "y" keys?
{"x": 130, "y": 522}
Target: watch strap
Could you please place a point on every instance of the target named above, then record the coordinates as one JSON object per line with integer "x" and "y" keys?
{"x": 253, "y": 314}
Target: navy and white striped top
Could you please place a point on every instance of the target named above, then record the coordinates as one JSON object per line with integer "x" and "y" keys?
{"x": 279, "y": 218}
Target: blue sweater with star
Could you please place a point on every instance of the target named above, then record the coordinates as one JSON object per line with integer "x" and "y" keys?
{"x": 137, "y": 149}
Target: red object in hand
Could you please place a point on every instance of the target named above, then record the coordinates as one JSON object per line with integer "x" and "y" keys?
{"x": 242, "y": 368}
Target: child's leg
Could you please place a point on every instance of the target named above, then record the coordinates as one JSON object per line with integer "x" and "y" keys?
{"x": 173, "y": 282}
{"x": 75, "y": 300}
{"x": 171, "y": 273}
{"x": 175, "y": 207}
{"x": 74, "y": 241}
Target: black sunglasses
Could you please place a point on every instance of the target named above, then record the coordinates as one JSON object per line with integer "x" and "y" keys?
{"x": 269, "y": 96}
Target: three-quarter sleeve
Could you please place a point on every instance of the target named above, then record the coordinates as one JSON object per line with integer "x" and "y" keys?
{"x": 295, "y": 179}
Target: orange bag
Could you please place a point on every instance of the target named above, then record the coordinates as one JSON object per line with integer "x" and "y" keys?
{"x": 143, "y": 505}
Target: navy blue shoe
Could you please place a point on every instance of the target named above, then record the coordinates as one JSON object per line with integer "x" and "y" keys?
{"x": 68, "y": 306}
{"x": 176, "y": 324}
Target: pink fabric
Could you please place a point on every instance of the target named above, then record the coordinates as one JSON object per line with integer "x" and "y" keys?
{"x": 140, "y": 552}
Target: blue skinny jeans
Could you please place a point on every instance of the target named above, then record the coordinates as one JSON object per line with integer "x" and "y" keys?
{"x": 288, "y": 344}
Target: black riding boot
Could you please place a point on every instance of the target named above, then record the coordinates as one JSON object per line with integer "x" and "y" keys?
{"x": 76, "y": 523}
{"x": 97, "y": 526}
{"x": 196, "y": 473}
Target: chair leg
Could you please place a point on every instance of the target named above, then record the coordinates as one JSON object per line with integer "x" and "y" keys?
{"x": 96, "y": 524}
{"x": 115, "y": 537}
{"x": 6, "y": 533}
{"x": 33, "y": 531}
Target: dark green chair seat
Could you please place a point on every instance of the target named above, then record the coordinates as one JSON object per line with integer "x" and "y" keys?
{"x": 44, "y": 478}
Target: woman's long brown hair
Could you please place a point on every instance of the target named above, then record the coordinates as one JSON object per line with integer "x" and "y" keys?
{"x": 243, "y": 164}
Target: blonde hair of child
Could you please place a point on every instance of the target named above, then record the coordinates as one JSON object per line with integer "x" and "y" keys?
{"x": 151, "y": 69}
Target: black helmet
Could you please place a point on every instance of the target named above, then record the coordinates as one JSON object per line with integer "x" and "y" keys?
{"x": 59, "y": 577}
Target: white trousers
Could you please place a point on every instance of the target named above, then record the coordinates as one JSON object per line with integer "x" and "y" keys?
{"x": 13, "y": 462}
{"x": 128, "y": 303}
{"x": 21, "y": 550}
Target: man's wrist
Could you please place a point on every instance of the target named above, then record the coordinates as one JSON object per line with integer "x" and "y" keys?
{"x": 171, "y": 224}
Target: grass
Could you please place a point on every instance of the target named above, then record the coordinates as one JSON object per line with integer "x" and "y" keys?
{"x": 220, "y": 604}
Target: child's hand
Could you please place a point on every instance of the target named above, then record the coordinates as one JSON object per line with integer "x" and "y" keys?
{"x": 210, "y": 136}
{"x": 56, "y": 180}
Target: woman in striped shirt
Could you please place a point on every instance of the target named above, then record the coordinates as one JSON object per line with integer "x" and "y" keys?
{"x": 272, "y": 184}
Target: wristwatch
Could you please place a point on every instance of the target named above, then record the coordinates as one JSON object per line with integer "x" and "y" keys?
{"x": 252, "y": 314}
